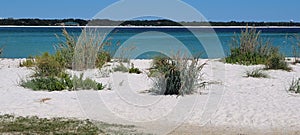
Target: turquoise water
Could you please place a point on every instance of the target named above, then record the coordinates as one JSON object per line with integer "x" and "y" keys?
{"x": 21, "y": 42}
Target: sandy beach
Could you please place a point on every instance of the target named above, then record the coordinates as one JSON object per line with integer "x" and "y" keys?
{"x": 230, "y": 104}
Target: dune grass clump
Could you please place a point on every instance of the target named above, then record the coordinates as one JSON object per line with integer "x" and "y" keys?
{"x": 50, "y": 69}
{"x": 256, "y": 73}
{"x": 177, "y": 76}
{"x": 295, "y": 86}
{"x": 248, "y": 48}
{"x": 85, "y": 52}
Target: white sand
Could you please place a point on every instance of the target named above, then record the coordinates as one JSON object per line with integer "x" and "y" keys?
{"x": 233, "y": 103}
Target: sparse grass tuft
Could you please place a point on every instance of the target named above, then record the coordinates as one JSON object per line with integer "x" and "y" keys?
{"x": 120, "y": 68}
{"x": 86, "y": 84}
{"x": 256, "y": 73}
{"x": 134, "y": 70}
{"x": 27, "y": 63}
{"x": 295, "y": 86}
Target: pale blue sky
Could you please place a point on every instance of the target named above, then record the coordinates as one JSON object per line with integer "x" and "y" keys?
{"x": 213, "y": 10}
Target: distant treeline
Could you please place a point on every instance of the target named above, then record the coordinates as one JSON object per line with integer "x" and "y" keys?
{"x": 40, "y": 22}
{"x": 106, "y": 22}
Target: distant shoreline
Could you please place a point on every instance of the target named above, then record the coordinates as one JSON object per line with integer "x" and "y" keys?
{"x": 14, "y": 26}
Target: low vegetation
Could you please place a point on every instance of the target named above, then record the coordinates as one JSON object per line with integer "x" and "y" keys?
{"x": 177, "y": 76}
{"x": 64, "y": 82}
{"x": 295, "y": 86}
{"x": 250, "y": 49}
{"x": 10, "y": 124}
{"x": 86, "y": 84}
{"x": 256, "y": 73}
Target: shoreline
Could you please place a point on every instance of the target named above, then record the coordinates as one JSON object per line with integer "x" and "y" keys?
{"x": 231, "y": 27}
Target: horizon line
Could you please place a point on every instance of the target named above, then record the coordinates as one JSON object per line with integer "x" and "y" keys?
{"x": 259, "y": 21}
{"x": 12, "y": 26}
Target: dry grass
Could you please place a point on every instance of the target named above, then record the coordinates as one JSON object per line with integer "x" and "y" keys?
{"x": 87, "y": 48}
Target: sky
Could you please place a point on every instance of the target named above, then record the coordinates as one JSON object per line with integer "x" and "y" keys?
{"x": 212, "y": 10}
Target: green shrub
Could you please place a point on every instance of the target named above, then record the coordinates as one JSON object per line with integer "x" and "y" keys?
{"x": 277, "y": 61}
{"x": 48, "y": 65}
{"x": 134, "y": 70}
{"x": 27, "y": 63}
{"x": 61, "y": 83}
{"x": 295, "y": 86}
{"x": 120, "y": 68}
{"x": 256, "y": 73}
{"x": 45, "y": 83}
